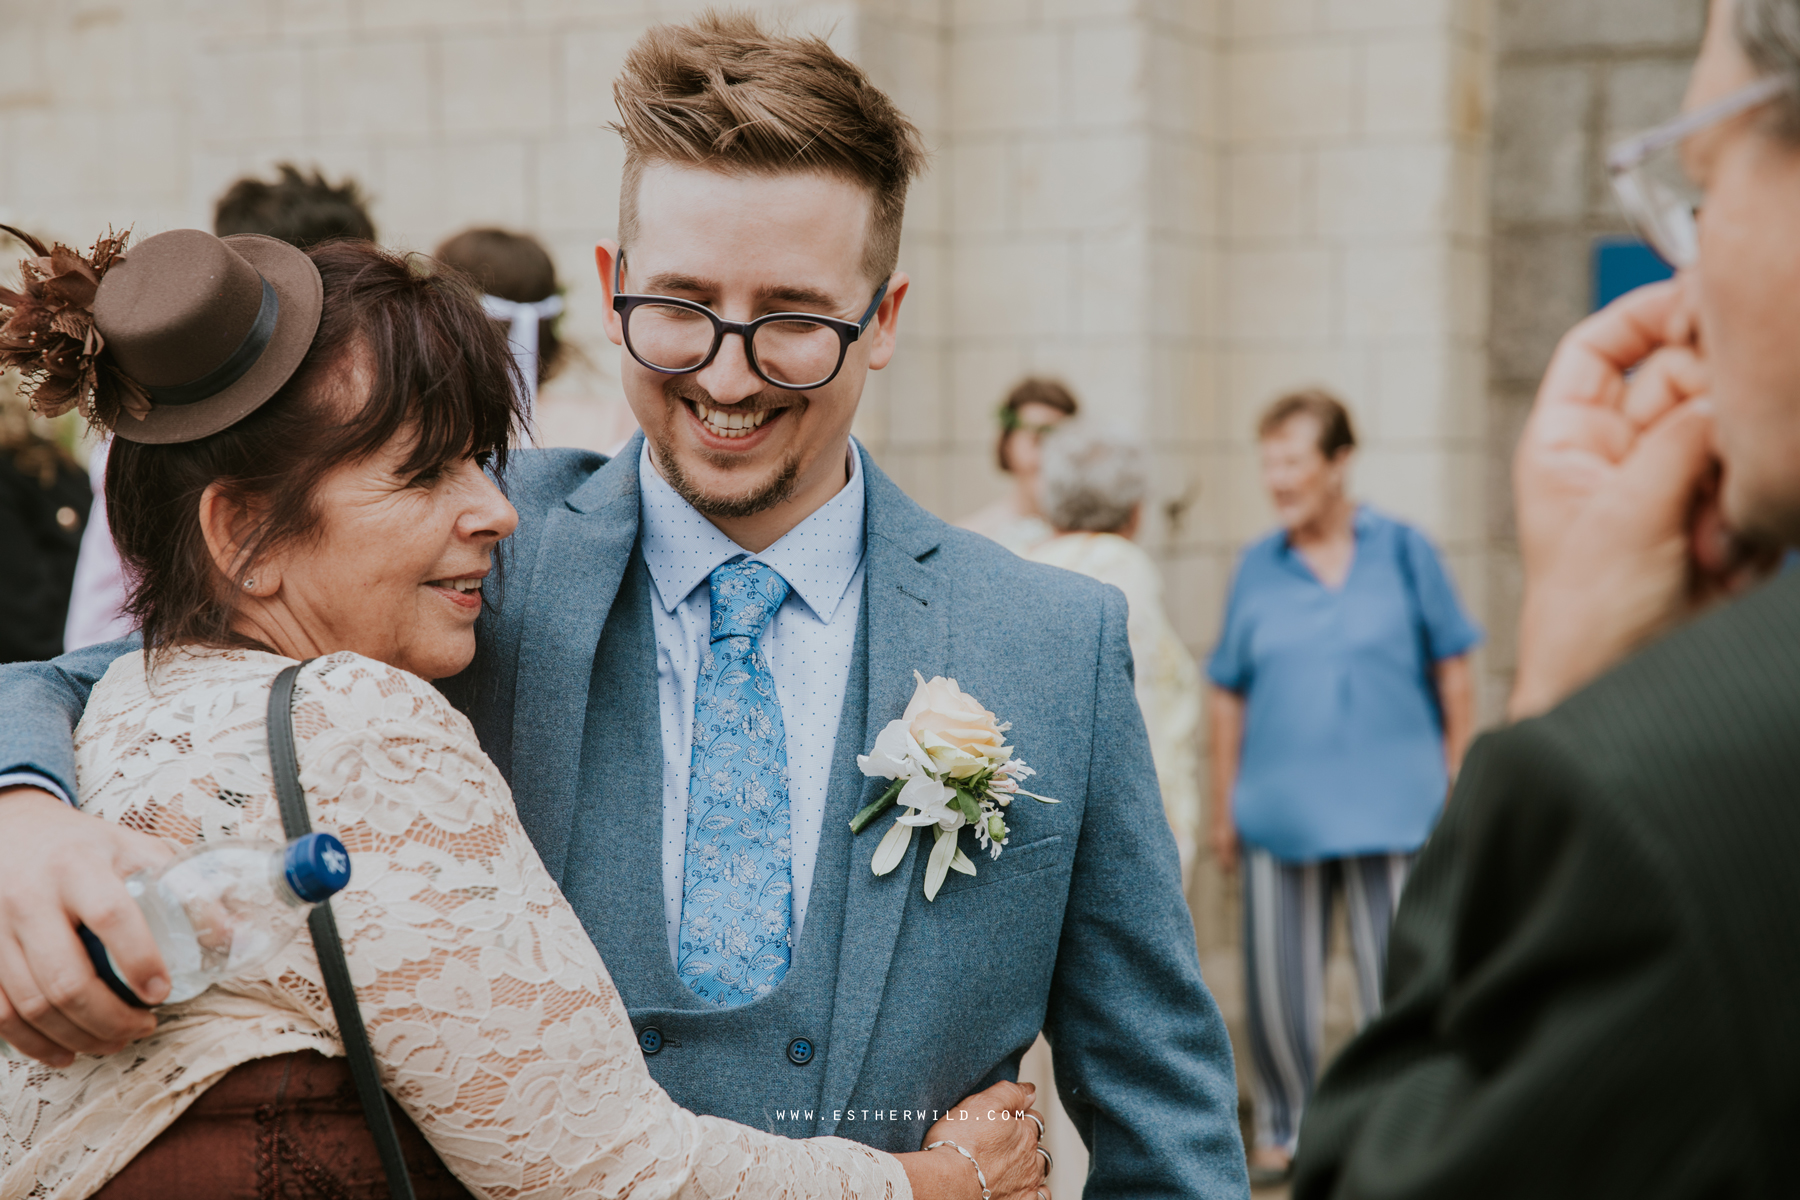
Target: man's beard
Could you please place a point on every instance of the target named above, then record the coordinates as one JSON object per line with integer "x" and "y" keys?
{"x": 776, "y": 490}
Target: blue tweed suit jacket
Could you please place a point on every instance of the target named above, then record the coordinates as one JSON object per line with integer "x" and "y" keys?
{"x": 1078, "y": 929}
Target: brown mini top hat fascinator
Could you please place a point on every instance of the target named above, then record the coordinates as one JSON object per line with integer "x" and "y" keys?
{"x": 182, "y": 337}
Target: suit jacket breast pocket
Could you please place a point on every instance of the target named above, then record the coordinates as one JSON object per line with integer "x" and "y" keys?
{"x": 1016, "y": 862}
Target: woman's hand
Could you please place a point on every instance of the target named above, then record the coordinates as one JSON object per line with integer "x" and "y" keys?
{"x": 59, "y": 868}
{"x": 993, "y": 1126}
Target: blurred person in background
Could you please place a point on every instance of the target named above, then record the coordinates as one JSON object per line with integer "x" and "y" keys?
{"x": 297, "y": 208}
{"x": 519, "y": 290}
{"x": 1033, "y": 408}
{"x": 1092, "y": 485}
{"x": 518, "y": 277}
{"x": 44, "y": 502}
{"x": 1342, "y": 703}
{"x": 1593, "y": 983}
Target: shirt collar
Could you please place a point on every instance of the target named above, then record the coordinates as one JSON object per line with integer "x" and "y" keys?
{"x": 1362, "y": 524}
{"x": 818, "y": 557}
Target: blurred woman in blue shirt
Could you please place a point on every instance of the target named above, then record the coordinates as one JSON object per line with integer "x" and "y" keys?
{"x": 1342, "y": 702}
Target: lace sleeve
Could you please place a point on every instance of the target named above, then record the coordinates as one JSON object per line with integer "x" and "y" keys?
{"x": 496, "y": 1025}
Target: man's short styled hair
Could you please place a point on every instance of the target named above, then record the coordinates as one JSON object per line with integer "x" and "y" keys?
{"x": 302, "y": 210}
{"x": 723, "y": 93}
{"x": 1336, "y": 434}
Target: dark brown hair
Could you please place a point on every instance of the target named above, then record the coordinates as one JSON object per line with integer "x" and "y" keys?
{"x": 1030, "y": 390}
{"x": 1335, "y": 432}
{"x": 433, "y": 363}
{"x": 723, "y": 93}
{"x": 512, "y": 266}
{"x": 299, "y": 209}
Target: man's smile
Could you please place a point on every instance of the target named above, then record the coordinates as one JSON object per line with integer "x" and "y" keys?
{"x": 730, "y": 423}
{"x": 738, "y": 428}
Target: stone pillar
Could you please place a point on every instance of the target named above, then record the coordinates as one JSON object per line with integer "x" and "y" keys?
{"x": 1077, "y": 167}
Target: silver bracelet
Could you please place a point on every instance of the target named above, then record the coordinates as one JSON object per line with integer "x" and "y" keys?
{"x": 985, "y": 1194}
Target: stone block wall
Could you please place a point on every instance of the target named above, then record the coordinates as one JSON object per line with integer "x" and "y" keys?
{"x": 449, "y": 113}
{"x": 1570, "y": 79}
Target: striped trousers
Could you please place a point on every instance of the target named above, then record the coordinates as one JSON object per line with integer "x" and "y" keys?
{"x": 1287, "y": 916}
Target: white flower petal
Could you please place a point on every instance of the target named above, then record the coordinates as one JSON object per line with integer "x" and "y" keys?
{"x": 938, "y": 868}
{"x": 893, "y": 848}
{"x": 926, "y": 794}
{"x": 920, "y": 697}
{"x": 895, "y": 756}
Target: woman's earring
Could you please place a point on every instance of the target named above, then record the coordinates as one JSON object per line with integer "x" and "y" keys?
{"x": 248, "y": 584}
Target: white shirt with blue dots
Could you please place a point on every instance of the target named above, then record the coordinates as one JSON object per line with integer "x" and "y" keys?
{"x": 809, "y": 645}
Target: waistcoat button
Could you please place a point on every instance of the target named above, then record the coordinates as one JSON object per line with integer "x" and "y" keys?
{"x": 650, "y": 1040}
{"x": 800, "y": 1052}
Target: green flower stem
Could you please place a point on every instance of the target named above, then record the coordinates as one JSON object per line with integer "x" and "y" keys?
{"x": 861, "y": 820}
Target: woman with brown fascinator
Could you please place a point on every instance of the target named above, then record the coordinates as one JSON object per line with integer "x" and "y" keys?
{"x": 309, "y": 448}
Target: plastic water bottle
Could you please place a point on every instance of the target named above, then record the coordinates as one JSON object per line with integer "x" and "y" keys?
{"x": 220, "y": 908}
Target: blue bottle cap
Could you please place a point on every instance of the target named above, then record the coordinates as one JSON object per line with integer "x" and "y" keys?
{"x": 318, "y": 867}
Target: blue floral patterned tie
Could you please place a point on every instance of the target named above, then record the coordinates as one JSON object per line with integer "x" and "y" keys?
{"x": 737, "y": 904}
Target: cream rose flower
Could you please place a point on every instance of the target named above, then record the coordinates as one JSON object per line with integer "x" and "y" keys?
{"x": 933, "y": 755}
{"x": 960, "y": 737}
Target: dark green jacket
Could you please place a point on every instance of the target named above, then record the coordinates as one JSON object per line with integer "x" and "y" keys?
{"x": 1593, "y": 983}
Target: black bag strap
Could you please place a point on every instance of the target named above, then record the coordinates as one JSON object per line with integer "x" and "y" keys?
{"x": 330, "y": 947}
{"x": 1415, "y": 609}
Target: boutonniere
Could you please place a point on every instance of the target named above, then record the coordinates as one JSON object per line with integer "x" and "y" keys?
{"x": 950, "y": 767}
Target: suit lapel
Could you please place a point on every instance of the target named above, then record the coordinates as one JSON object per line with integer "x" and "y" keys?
{"x": 906, "y": 602}
{"x": 581, "y": 558}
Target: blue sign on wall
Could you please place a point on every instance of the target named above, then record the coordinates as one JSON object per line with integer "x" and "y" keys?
{"x": 1621, "y": 264}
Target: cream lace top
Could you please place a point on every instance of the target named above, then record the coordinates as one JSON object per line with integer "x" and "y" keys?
{"x": 493, "y": 1018}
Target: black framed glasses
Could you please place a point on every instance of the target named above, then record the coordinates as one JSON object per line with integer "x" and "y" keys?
{"x": 795, "y": 351}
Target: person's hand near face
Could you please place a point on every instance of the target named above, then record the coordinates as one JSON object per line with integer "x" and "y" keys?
{"x": 1664, "y": 422}
{"x": 1608, "y": 473}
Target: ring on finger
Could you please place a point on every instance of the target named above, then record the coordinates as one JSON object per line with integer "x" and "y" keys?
{"x": 1049, "y": 1163}
{"x": 1035, "y": 1120}
{"x": 1041, "y": 1195}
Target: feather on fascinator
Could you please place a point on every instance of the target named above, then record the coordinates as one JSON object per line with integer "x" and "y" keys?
{"x": 47, "y": 331}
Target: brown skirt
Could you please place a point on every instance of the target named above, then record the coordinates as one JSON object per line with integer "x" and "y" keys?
{"x": 283, "y": 1128}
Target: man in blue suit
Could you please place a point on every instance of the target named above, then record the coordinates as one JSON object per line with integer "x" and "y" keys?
{"x": 745, "y": 547}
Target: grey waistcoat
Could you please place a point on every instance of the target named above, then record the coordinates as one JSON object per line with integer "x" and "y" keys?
{"x": 762, "y": 1064}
